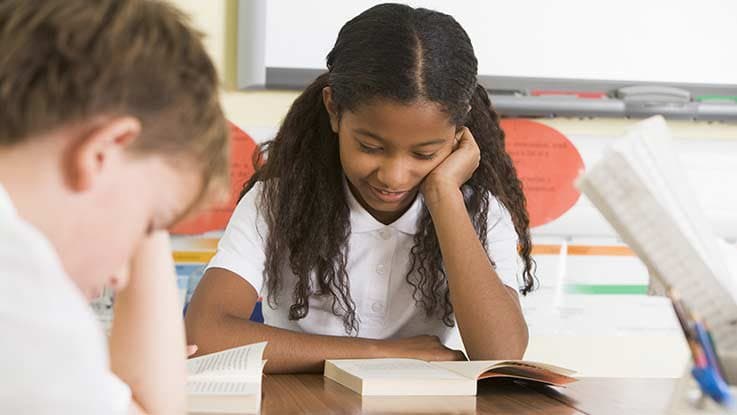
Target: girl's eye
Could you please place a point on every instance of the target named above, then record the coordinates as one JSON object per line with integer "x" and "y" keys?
{"x": 424, "y": 156}
{"x": 369, "y": 149}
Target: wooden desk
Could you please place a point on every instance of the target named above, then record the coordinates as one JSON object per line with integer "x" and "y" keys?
{"x": 313, "y": 394}
{"x": 610, "y": 396}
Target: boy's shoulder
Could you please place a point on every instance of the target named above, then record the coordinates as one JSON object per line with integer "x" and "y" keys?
{"x": 35, "y": 290}
{"x": 53, "y": 345}
{"x": 33, "y": 283}
{"x": 24, "y": 250}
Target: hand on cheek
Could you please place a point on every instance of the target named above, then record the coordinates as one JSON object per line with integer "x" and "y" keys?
{"x": 457, "y": 167}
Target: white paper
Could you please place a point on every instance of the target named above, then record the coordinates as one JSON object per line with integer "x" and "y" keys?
{"x": 244, "y": 360}
{"x": 222, "y": 387}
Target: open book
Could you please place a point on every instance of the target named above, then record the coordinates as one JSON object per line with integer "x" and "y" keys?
{"x": 227, "y": 381}
{"x": 411, "y": 377}
{"x": 640, "y": 187}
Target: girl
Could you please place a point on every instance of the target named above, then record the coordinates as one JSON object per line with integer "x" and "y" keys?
{"x": 386, "y": 213}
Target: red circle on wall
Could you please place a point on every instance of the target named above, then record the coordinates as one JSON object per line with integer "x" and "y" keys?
{"x": 216, "y": 218}
{"x": 547, "y": 163}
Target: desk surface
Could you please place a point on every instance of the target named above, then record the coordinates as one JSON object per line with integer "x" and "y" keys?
{"x": 313, "y": 394}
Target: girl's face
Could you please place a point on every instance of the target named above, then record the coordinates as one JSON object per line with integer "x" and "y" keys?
{"x": 388, "y": 148}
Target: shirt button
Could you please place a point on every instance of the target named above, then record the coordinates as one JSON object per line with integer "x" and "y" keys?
{"x": 377, "y": 307}
{"x": 380, "y": 269}
{"x": 385, "y": 233}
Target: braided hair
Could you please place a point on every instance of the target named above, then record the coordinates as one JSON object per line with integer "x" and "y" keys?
{"x": 402, "y": 54}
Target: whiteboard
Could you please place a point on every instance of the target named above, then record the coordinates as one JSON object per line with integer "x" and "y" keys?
{"x": 675, "y": 41}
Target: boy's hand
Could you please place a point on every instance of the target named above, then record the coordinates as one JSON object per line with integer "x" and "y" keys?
{"x": 152, "y": 249}
{"x": 191, "y": 349}
{"x": 428, "y": 348}
{"x": 457, "y": 167}
{"x": 147, "y": 344}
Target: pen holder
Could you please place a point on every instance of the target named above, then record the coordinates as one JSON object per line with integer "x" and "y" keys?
{"x": 687, "y": 398}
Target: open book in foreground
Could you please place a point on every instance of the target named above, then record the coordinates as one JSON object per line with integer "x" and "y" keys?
{"x": 227, "y": 381}
{"x": 410, "y": 377}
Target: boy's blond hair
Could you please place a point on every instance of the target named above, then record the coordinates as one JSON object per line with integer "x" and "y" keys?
{"x": 71, "y": 61}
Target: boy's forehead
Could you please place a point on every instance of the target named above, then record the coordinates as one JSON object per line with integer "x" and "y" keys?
{"x": 175, "y": 188}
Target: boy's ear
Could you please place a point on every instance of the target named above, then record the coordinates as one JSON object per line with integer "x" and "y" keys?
{"x": 99, "y": 149}
{"x": 327, "y": 99}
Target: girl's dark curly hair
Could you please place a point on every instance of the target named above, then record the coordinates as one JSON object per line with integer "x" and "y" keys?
{"x": 398, "y": 53}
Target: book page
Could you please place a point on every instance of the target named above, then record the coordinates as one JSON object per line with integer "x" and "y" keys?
{"x": 729, "y": 253}
{"x": 529, "y": 373}
{"x": 394, "y": 369}
{"x": 244, "y": 360}
{"x": 224, "y": 387}
{"x": 480, "y": 369}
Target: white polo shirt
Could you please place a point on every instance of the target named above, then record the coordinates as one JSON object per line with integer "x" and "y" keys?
{"x": 378, "y": 261}
{"x": 53, "y": 353}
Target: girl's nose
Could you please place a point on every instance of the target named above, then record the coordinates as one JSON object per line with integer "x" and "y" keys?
{"x": 394, "y": 174}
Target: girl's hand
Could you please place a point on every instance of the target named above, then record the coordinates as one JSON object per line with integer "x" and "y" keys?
{"x": 457, "y": 167}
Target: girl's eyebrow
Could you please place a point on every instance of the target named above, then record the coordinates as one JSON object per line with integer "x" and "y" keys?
{"x": 432, "y": 142}
{"x": 368, "y": 133}
{"x": 377, "y": 137}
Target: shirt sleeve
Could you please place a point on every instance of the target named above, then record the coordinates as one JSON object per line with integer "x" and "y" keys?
{"x": 501, "y": 243}
{"x": 241, "y": 249}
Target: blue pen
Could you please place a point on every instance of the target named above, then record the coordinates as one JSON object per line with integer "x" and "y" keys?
{"x": 712, "y": 385}
{"x": 709, "y": 378}
{"x": 702, "y": 336}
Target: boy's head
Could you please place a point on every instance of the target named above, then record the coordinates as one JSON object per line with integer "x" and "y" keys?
{"x": 110, "y": 125}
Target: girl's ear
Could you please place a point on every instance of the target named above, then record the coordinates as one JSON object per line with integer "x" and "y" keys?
{"x": 327, "y": 100}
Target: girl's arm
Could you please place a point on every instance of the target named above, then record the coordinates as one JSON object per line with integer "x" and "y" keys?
{"x": 488, "y": 313}
{"x": 218, "y": 318}
{"x": 147, "y": 349}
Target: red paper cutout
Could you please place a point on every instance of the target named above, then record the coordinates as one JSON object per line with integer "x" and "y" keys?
{"x": 547, "y": 163}
{"x": 242, "y": 147}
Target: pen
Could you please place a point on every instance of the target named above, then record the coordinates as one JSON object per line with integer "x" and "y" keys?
{"x": 713, "y": 385}
{"x": 703, "y": 339}
{"x": 709, "y": 378}
{"x": 681, "y": 313}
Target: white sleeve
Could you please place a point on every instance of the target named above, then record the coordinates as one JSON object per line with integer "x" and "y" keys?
{"x": 501, "y": 243}
{"x": 53, "y": 354}
{"x": 53, "y": 357}
{"x": 241, "y": 249}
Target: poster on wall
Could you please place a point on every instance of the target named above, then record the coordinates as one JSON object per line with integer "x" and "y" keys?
{"x": 547, "y": 163}
{"x": 242, "y": 147}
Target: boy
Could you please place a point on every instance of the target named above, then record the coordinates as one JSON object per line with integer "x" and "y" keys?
{"x": 110, "y": 131}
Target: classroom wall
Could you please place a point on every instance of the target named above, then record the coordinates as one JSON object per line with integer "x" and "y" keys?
{"x": 261, "y": 110}
{"x": 218, "y": 20}
{"x": 265, "y": 108}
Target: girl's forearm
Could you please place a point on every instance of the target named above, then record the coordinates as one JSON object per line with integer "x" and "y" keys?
{"x": 488, "y": 313}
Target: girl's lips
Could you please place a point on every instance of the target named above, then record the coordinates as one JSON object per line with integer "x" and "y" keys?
{"x": 386, "y": 196}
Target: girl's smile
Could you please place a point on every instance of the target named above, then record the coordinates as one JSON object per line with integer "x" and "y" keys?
{"x": 387, "y": 196}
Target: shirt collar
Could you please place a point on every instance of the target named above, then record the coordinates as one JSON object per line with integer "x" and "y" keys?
{"x": 362, "y": 221}
{"x": 6, "y": 204}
